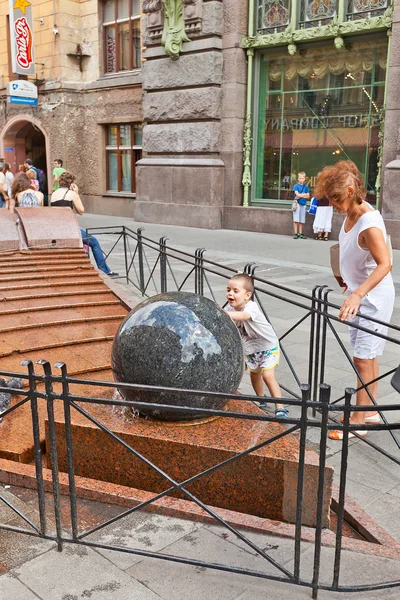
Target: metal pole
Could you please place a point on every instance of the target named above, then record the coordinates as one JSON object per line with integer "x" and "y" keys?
{"x": 69, "y": 446}
{"x": 141, "y": 263}
{"x": 53, "y": 449}
{"x": 324, "y": 396}
{"x": 36, "y": 442}
{"x": 305, "y": 393}
{"x": 342, "y": 487}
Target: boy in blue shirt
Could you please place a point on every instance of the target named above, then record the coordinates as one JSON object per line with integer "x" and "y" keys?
{"x": 301, "y": 193}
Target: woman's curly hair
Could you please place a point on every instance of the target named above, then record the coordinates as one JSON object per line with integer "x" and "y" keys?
{"x": 333, "y": 181}
{"x": 66, "y": 179}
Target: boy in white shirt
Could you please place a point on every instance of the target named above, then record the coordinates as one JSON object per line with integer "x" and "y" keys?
{"x": 261, "y": 345}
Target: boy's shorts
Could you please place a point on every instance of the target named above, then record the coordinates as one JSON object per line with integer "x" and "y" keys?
{"x": 264, "y": 360}
{"x": 299, "y": 215}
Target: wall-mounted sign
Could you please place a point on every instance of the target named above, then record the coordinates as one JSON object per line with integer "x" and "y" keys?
{"x": 21, "y": 35}
{"x": 22, "y": 92}
{"x": 9, "y": 149}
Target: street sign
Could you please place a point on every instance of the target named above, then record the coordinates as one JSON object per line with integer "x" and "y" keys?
{"x": 22, "y": 89}
{"x": 18, "y": 100}
{"x": 9, "y": 149}
{"x": 21, "y": 35}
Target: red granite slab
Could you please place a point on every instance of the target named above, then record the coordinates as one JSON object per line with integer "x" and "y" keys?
{"x": 373, "y": 539}
{"x": 263, "y": 483}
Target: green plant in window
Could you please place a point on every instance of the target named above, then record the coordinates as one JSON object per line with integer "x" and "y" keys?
{"x": 174, "y": 28}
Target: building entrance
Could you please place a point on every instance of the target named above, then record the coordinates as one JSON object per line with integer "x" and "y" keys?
{"x": 24, "y": 139}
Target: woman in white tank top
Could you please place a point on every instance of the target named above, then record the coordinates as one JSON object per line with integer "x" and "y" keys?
{"x": 365, "y": 268}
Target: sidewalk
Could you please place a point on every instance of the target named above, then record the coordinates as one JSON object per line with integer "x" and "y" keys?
{"x": 34, "y": 568}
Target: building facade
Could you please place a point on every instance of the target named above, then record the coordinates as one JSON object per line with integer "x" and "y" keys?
{"x": 88, "y": 72}
{"x": 233, "y": 98}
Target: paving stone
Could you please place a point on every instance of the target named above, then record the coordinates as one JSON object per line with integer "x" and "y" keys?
{"x": 141, "y": 531}
{"x": 355, "y": 569}
{"x": 12, "y": 589}
{"x": 78, "y": 573}
{"x": 17, "y": 548}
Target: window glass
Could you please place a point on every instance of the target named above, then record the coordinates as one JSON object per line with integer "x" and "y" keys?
{"x": 315, "y": 109}
{"x": 124, "y": 47}
{"x": 126, "y": 158}
{"x": 122, "y": 39}
{"x": 112, "y": 158}
{"x": 112, "y": 135}
{"x": 120, "y": 174}
{"x": 125, "y": 135}
{"x": 136, "y": 44}
{"x": 124, "y": 9}
{"x": 109, "y": 11}
{"x": 111, "y": 51}
{"x": 138, "y": 135}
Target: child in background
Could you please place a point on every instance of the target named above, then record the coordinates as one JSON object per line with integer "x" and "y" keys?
{"x": 261, "y": 345}
{"x": 301, "y": 193}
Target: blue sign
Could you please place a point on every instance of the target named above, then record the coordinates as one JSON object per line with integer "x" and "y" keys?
{"x": 19, "y": 100}
{"x": 8, "y": 149}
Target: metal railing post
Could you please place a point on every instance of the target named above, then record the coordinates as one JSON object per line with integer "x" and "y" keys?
{"x": 125, "y": 255}
{"x": 163, "y": 264}
{"x": 36, "y": 444}
{"x": 53, "y": 449}
{"x": 141, "y": 261}
{"x": 199, "y": 271}
{"x": 305, "y": 397}
{"x": 69, "y": 448}
{"x": 349, "y": 392}
{"x": 324, "y": 397}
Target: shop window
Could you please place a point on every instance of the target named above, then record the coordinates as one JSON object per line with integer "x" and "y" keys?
{"x": 272, "y": 15}
{"x": 365, "y": 9}
{"x": 123, "y": 150}
{"x": 314, "y": 13}
{"x": 121, "y": 35}
{"x": 315, "y": 108}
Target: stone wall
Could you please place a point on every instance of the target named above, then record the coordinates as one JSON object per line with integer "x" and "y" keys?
{"x": 194, "y": 111}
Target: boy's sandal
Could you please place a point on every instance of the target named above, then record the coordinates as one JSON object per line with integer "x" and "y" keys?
{"x": 373, "y": 418}
{"x": 337, "y": 435}
{"x": 281, "y": 413}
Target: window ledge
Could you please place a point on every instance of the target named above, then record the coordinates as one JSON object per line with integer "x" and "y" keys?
{"x": 110, "y": 194}
{"x": 117, "y": 80}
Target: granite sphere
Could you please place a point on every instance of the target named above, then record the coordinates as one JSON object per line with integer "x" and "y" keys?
{"x": 179, "y": 340}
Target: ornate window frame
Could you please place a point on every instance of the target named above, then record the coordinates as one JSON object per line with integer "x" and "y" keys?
{"x": 336, "y": 31}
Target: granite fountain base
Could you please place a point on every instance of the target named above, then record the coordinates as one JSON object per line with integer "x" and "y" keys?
{"x": 263, "y": 483}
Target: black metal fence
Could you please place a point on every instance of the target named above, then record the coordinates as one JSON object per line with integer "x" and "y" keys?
{"x": 154, "y": 267}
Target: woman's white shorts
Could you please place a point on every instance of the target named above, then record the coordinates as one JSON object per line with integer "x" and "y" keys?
{"x": 367, "y": 345}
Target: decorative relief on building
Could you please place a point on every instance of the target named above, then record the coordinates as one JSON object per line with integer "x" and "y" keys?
{"x": 155, "y": 21}
{"x": 174, "y": 33}
{"x": 336, "y": 29}
{"x": 192, "y": 15}
{"x": 169, "y": 22}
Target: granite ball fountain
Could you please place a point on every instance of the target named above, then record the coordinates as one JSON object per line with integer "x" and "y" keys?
{"x": 178, "y": 340}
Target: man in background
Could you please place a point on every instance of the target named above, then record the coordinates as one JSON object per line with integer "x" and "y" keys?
{"x": 57, "y": 171}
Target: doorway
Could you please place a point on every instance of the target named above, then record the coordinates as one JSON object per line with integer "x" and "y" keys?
{"x": 22, "y": 138}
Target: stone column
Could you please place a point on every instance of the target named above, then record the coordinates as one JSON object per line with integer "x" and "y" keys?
{"x": 181, "y": 178}
{"x": 234, "y": 86}
{"x": 390, "y": 205}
